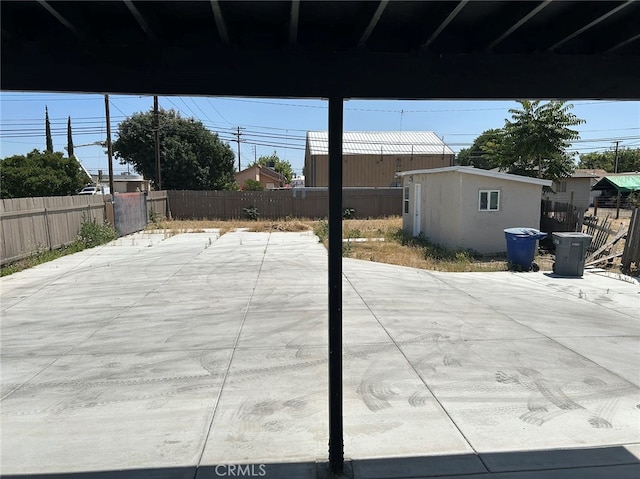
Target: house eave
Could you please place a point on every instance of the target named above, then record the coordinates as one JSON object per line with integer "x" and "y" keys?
{"x": 479, "y": 172}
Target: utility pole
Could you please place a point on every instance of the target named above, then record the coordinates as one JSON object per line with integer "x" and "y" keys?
{"x": 255, "y": 154}
{"x": 156, "y": 127}
{"x": 616, "y": 160}
{"x": 109, "y": 150}
{"x": 238, "y": 140}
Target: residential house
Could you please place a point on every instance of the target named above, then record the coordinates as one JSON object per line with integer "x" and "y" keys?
{"x": 462, "y": 207}
{"x": 267, "y": 177}
{"x": 576, "y": 189}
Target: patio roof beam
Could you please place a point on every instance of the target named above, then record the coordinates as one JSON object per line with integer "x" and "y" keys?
{"x": 622, "y": 44}
{"x": 60, "y": 18}
{"x": 141, "y": 21}
{"x": 443, "y": 25}
{"x": 220, "y": 24}
{"x": 372, "y": 24}
{"x": 591, "y": 24}
{"x": 293, "y": 23}
{"x": 518, "y": 24}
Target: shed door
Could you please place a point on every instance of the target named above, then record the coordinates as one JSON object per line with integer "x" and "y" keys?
{"x": 417, "y": 201}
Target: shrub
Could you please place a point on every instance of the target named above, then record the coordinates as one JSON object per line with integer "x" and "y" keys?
{"x": 251, "y": 213}
{"x": 322, "y": 230}
{"x": 253, "y": 185}
{"x": 93, "y": 233}
{"x": 348, "y": 213}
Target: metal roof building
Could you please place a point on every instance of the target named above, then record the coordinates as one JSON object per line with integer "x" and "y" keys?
{"x": 623, "y": 183}
{"x": 372, "y": 158}
{"x": 374, "y": 142}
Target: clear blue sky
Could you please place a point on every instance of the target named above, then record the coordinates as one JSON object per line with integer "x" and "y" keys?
{"x": 280, "y": 124}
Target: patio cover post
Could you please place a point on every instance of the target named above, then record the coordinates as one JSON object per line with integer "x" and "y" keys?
{"x": 336, "y": 444}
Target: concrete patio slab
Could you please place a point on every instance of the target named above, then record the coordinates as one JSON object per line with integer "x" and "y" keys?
{"x": 172, "y": 356}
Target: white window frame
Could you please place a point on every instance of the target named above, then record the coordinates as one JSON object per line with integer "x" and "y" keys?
{"x": 489, "y": 194}
{"x": 406, "y": 193}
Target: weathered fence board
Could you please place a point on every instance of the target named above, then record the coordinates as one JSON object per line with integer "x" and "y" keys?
{"x": 274, "y": 204}
{"x": 631, "y": 253}
{"x": 32, "y": 224}
{"x": 559, "y": 217}
{"x": 599, "y": 229}
{"x": 157, "y": 207}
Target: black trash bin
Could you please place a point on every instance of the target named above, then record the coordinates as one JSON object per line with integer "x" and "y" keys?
{"x": 571, "y": 251}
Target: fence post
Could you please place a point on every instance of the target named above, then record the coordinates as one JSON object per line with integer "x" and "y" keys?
{"x": 46, "y": 223}
{"x": 631, "y": 250}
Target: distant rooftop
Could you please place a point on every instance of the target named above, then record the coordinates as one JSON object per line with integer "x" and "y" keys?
{"x": 381, "y": 142}
{"x": 623, "y": 182}
{"x": 477, "y": 171}
{"x": 589, "y": 173}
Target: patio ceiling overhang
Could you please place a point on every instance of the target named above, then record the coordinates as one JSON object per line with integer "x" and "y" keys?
{"x": 319, "y": 49}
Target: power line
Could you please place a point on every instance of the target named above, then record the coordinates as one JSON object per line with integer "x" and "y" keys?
{"x": 216, "y": 110}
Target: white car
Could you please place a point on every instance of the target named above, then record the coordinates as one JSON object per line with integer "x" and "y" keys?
{"x": 95, "y": 190}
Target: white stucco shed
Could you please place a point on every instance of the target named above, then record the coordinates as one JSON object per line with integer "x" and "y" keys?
{"x": 468, "y": 208}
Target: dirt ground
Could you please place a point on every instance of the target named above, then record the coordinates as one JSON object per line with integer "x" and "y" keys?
{"x": 622, "y": 221}
{"x": 389, "y": 250}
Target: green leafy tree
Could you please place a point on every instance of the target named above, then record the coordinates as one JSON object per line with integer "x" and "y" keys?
{"x": 252, "y": 185}
{"x": 191, "y": 157}
{"x": 628, "y": 160}
{"x": 281, "y": 166}
{"x": 69, "y": 139}
{"x": 478, "y": 154}
{"x": 40, "y": 174}
{"x": 535, "y": 142}
{"x": 47, "y": 130}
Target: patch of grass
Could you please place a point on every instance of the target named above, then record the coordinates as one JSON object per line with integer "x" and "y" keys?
{"x": 91, "y": 234}
{"x": 322, "y": 231}
{"x": 40, "y": 257}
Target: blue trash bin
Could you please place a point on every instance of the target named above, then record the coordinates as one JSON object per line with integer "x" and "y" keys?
{"x": 521, "y": 247}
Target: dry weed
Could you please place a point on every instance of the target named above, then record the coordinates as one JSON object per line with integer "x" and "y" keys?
{"x": 390, "y": 251}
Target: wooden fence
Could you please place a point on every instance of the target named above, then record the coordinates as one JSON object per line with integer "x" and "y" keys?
{"x": 558, "y": 217}
{"x": 631, "y": 253}
{"x": 157, "y": 207}
{"x": 274, "y": 204}
{"x": 28, "y": 225}
{"x": 32, "y": 224}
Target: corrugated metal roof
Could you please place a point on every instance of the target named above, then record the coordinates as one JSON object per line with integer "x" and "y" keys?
{"x": 622, "y": 183}
{"x": 377, "y": 142}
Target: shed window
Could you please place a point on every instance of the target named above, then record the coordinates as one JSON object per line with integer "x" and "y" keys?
{"x": 406, "y": 200}
{"x": 489, "y": 200}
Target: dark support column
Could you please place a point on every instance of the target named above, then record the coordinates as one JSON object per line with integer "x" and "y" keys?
{"x": 336, "y": 449}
